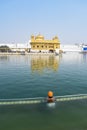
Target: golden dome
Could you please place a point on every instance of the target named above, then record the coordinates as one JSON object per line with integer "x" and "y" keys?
{"x": 39, "y": 37}
{"x": 55, "y": 38}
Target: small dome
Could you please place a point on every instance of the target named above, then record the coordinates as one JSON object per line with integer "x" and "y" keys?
{"x": 32, "y": 35}
{"x": 56, "y": 37}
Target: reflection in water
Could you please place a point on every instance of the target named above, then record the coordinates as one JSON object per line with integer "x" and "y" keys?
{"x": 39, "y": 63}
{"x": 84, "y": 57}
{"x": 3, "y": 57}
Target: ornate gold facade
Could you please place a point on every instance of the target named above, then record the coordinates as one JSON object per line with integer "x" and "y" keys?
{"x": 39, "y": 43}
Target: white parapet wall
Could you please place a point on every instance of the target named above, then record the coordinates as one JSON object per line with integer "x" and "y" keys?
{"x": 24, "y": 46}
{"x": 71, "y": 48}
{"x": 16, "y": 46}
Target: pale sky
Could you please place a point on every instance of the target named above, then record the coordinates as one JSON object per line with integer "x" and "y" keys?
{"x": 67, "y": 19}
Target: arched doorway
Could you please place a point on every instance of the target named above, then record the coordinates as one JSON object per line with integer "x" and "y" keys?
{"x": 51, "y": 50}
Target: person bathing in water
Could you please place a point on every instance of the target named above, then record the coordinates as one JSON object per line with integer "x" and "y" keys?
{"x": 50, "y": 97}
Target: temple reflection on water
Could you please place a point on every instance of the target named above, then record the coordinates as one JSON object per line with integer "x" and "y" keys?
{"x": 39, "y": 63}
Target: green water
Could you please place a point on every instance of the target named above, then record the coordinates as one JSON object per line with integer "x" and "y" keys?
{"x": 34, "y": 76}
{"x": 65, "y": 116}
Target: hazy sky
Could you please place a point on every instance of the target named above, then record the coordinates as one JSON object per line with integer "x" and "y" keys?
{"x": 67, "y": 19}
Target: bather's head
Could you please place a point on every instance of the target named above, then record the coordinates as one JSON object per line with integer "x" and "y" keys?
{"x": 50, "y": 94}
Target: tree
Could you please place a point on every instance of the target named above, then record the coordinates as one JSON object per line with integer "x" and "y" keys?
{"x": 5, "y": 48}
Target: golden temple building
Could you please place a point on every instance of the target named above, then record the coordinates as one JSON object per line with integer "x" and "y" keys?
{"x": 39, "y": 44}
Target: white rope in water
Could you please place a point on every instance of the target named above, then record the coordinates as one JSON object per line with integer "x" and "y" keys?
{"x": 41, "y": 99}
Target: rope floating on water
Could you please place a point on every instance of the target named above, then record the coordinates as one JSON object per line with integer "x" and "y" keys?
{"x": 72, "y": 97}
{"x": 41, "y": 99}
